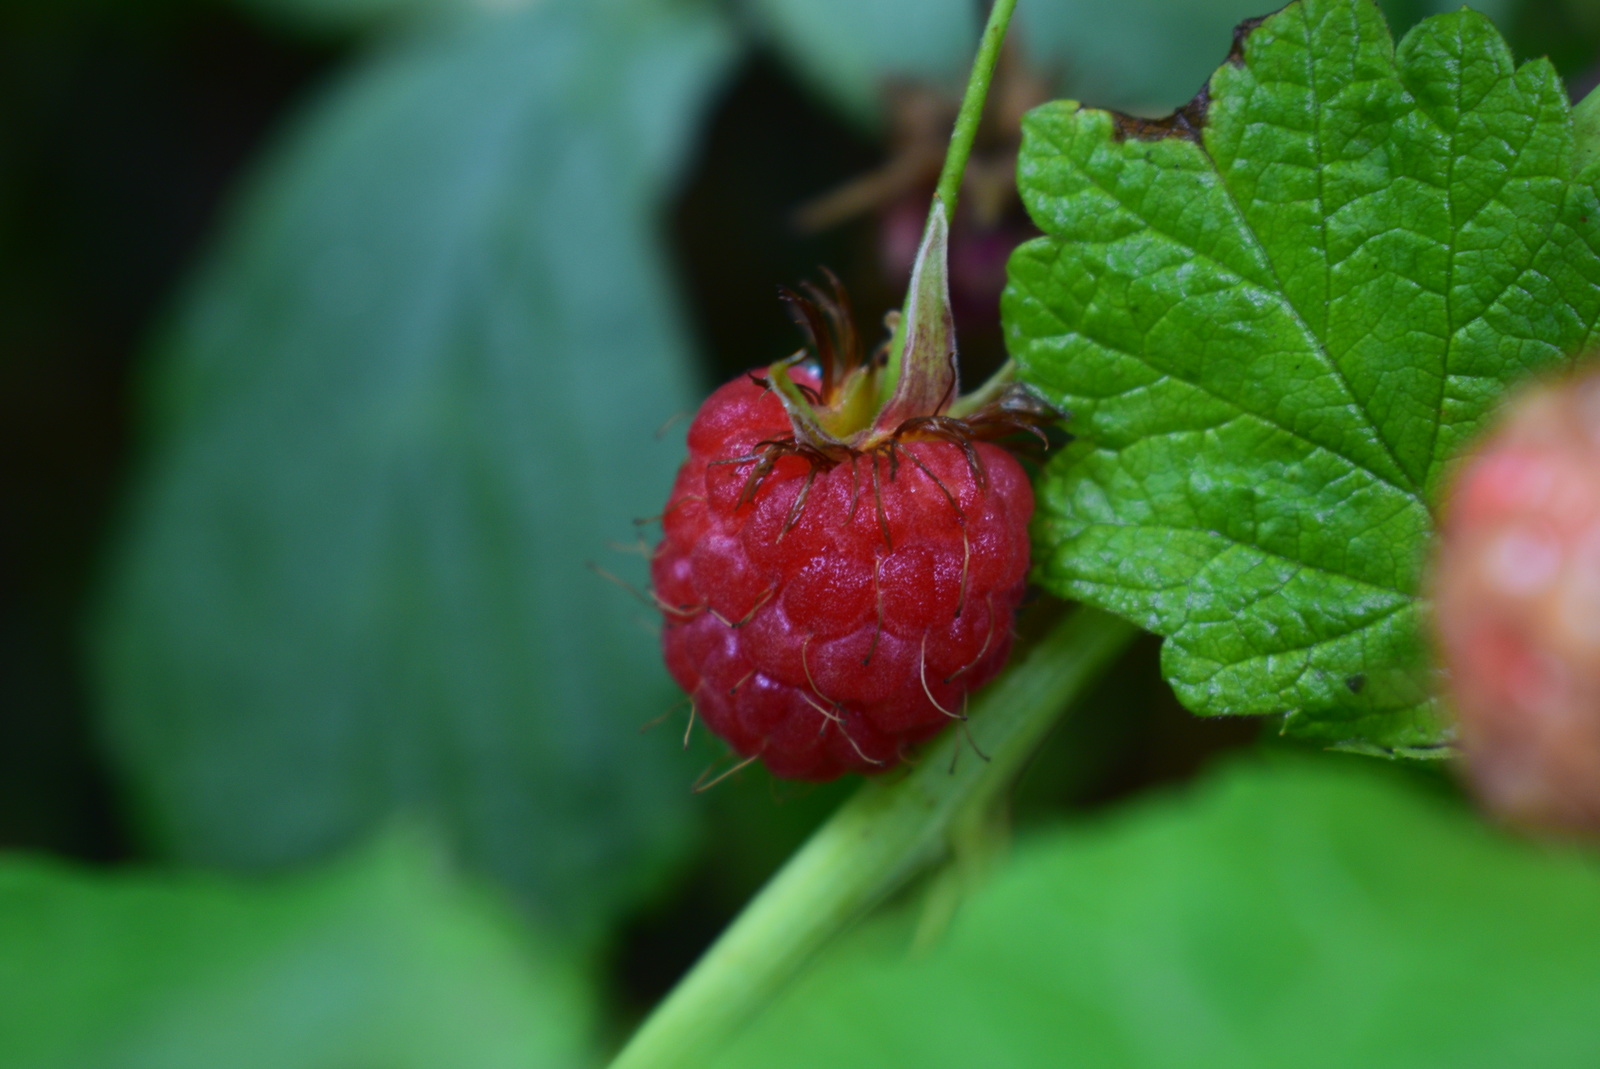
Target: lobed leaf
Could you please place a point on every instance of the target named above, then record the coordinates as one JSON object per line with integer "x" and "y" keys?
{"x": 415, "y": 391}
{"x": 1277, "y": 316}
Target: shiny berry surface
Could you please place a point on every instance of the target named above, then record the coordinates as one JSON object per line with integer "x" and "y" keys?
{"x": 825, "y": 618}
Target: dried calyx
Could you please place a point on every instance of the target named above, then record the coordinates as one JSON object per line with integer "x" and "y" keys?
{"x": 847, "y": 406}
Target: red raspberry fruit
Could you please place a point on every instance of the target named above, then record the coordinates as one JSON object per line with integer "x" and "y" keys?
{"x": 1517, "y": 609}
{"x": 842, "y": 556}
{"x": 835, "y": 616}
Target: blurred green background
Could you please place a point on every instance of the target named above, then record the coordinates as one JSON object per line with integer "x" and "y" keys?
{"x": 338, "y": 339}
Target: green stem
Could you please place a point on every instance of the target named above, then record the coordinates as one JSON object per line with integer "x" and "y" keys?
{"x": 991, "y": 390}
{"x": 955, "y": 157}
{"x": 879, "y": 839}
{"x": 971, "y": 113}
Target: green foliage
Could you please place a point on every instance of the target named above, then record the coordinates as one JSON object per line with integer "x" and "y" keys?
{"x": 850, "y": 50}
{"x": 1308, "y": 913}
{"x": 383, "y": 959}
{"x": 1276, "y": 320}
{"x": 415, "y": 390}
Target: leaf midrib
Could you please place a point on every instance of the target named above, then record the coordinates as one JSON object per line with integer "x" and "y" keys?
{"x": 1315, "y": 341}
{"x": 1169, "y": 373}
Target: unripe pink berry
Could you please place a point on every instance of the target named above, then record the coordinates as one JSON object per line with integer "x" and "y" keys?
{"x": 1516, "y": 587}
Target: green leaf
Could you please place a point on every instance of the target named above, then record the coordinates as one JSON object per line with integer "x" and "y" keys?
{"x": 1314, "y": 913}
{"x": 1586, "y": 129}
{"x": 384, "y": 959}
{"x": 1276, "y": 318}
{"x": 416, "y": 390}
{"x": 852, "y": 50}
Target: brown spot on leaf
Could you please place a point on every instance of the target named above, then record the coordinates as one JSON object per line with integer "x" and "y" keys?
{"x": 1186, "y": 122}
{"x": 1240, "y": 32}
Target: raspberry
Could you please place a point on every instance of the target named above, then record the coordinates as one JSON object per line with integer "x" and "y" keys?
{"x": 1517, "y": 609}
{"x": 839, "y": 568}
{"x": 827, "y": 634}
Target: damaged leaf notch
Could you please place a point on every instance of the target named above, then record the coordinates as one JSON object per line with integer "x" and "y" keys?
{"x": 1189, "y": 120}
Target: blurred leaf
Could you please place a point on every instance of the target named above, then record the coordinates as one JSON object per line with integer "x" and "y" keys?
{"x": 1147, "y": 56}
{"x": 1276, "y": 319}
{"x": 1150, "y": 56}
{"x": 849, "y": 50}
{"x": 416, "y": 390}
{"x": 1586, "y": 130}
{"x": 1306, "y": 913}
{"x": 382, "y": 960}
{"x": 1404, "y": 14}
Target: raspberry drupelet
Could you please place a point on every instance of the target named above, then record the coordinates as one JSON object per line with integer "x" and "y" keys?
{"x": 832, "y": 592}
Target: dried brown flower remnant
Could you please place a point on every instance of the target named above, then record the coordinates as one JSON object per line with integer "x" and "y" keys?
{"x": 1517, "y": 589}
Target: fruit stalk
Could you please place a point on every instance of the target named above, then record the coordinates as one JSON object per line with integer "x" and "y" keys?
{"x": 972, "y": 102}
{"x": 961, "y": 138}
{"x": 876, "y": 842}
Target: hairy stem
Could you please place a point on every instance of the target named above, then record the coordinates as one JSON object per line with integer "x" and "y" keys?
{"x": 955, "y": 157}
{"x": 883, "y": 836}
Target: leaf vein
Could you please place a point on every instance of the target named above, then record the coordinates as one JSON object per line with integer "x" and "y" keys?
{"x": 1167, "y": 373}
{"x": 1230, "y": 543}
